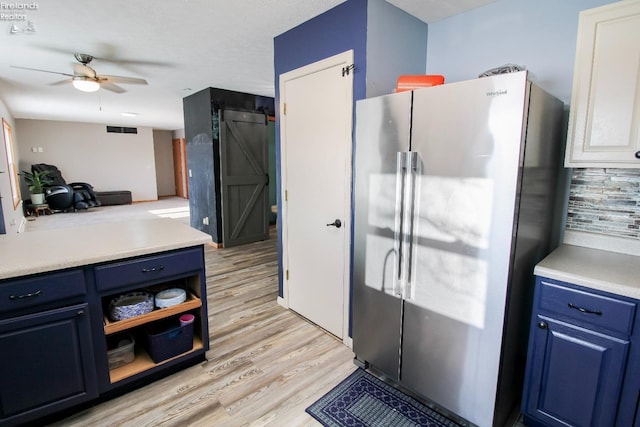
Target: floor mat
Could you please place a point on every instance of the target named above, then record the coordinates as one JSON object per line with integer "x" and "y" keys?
{"x": 363, "y": 400}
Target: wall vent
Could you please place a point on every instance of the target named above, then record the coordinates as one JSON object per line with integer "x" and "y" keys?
{"x": 120, "y": 129}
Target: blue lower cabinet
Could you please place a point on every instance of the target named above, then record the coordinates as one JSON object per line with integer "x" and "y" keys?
{"x": 54, "y": 333}
{"x": 576, "y": 375}
{"x": 579, "y": 348}
{"x": 46, "y": 363}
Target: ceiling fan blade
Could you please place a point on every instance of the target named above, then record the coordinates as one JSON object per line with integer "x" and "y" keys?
{"x": 61, "y": 82}
{"x": 105, "y": 52}
{"x": 109, "y": 55}
{"x": 84, "y": 70}
{"x": 43, "y": 71}
{"x": 111, "y": 87}
{"x": 122, "y": 79}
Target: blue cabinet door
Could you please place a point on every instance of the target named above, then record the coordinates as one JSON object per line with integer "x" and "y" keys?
{"x": 46, "y": 363}
{"x": 574, "y": 375}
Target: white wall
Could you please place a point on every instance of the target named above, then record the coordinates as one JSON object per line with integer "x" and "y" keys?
{"x": 163, "y": 149}
{"x": 85, "y": 152}
{"x": 541, "y": 35}
{"x": 12, "y": 217}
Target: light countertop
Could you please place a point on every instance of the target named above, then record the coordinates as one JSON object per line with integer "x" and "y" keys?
{"x": 607, "y": 271}
{"x": 49, "y": 250}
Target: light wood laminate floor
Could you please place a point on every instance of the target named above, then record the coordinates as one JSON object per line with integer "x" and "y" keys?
{"x": 265, "y": 366}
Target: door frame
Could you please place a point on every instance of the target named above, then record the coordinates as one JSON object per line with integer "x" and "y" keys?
{"x": 346, "y": 59}
{"x": 179, "y": 148}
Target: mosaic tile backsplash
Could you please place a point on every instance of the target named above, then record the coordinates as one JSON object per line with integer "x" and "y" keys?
{"x": 605, "y": 201}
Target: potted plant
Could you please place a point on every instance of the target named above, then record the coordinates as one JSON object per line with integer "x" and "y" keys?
{"x": 36, "y": 181}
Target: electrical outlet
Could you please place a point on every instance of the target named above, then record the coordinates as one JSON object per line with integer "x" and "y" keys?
{"x": 205, "y": 220}
{"x": 190, "y": 176}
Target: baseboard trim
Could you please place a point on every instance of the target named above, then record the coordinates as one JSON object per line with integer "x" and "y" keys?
{"x": 348, "y": 341}
{"x": 283, "y": 303}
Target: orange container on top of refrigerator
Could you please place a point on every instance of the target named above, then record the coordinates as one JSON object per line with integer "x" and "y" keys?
{"x": 410, "y": 82}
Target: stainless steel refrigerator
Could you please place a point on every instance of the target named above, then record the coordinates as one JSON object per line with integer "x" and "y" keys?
{"x": 455, "y": 188}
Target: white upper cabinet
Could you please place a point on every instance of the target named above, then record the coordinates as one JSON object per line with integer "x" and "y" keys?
{"x": 604, "y": 124}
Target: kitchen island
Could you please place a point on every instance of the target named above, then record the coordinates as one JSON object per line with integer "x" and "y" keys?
{"x": 583, "y": 363}
{"x": 60, "y": 346}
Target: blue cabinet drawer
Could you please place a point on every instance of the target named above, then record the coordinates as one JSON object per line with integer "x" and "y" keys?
{"x": 151, "y": 269}
{"x": 587, "y": 308}
{"x": 39, "y": 290}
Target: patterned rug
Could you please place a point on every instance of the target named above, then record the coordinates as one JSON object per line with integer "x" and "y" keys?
{"x": 363, "y": 400}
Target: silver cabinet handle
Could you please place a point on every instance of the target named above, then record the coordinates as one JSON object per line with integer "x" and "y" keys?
{"x": 31, "y": 295}
{"x": 153, "y": 269}
{"x": 584, "y": 310}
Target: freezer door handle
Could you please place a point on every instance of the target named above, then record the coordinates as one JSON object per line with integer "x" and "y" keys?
{"x": 406, "y": 173}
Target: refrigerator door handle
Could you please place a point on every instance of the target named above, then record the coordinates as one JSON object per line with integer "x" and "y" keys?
{"x": 406, "y": 173}
{"x": 411, "y": 197}
{"x": 401, "y": 173}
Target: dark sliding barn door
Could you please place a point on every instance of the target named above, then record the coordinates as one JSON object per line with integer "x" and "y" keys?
{"x": 244, "y": 177}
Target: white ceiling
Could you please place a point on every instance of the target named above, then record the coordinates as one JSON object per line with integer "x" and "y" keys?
{"x": 179, "y": 47}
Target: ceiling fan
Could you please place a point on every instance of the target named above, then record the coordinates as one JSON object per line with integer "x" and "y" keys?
{"x": 86, "y": 79}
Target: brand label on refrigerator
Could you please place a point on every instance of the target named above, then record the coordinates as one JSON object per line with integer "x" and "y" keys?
{"x": 497, "y": 92}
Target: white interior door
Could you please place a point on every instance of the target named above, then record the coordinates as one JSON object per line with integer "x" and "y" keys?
{"x": 316, "y": 143}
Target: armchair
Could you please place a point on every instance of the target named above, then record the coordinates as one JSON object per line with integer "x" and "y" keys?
{"x": 62, "y": 196}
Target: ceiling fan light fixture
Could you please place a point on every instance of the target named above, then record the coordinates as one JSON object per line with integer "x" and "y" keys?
{"x": 85, "y": 84}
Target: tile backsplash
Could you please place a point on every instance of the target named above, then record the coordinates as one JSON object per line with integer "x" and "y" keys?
{"x": 605, "y": 201}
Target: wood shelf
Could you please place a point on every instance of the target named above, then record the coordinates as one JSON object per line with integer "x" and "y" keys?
{"x": 143, "y": 362}
{"x": 191, "y": 303}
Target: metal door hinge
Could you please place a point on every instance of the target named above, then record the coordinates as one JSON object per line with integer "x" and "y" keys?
{"x": 286, "y": 196}
{"x": 346, "y": 70}
{"x": 287, "y": 274}
{"x": 284, "y": 109}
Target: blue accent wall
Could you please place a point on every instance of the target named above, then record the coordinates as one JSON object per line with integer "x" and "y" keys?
{"x": 338, "y": 30}
{"x": 540, "y": 35}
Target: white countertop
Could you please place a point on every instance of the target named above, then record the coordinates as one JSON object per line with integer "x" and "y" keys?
{"x": 608, "y": 271}
{"x": 48, "y": 250}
